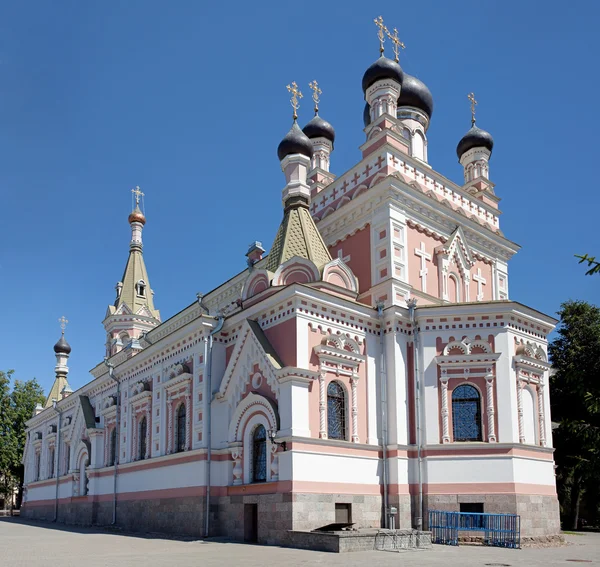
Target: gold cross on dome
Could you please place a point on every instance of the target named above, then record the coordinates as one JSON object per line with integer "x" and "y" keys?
{"x": 471, "y": 97}
{"x": 296, "y": 94}
{"x": 397, "y": 43}
{"x": 314, "y": 86}
{"x": 63, "y": 323}
{"x": 137, "y": 193}
{"x": 381, "y": 32}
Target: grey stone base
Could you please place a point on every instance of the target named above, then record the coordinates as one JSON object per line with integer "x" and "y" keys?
{"x": 539, "y": 514}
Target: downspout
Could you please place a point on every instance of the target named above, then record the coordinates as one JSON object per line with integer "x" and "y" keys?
{"x": 412, "y": 304}
{"x": 208, "y": 348}
{"x": 57, "y": 459}
{"x": 384, "y": 427}
{"x": 111, "y": 373}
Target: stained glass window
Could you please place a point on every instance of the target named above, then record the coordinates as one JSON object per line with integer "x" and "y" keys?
{"x": 113, "y": 446}
{"x": 180, "y": 428}
{"x": 143, "y": 432}
{"x": 336, "y": 411}
{"x": 259, "y": 455}
{"x": 466, "y": 413}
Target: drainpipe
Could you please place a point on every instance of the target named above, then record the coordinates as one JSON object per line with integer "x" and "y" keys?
{"x": 412, "y": 304}
{"x": 384, "y": 427}
{"x": 111, "y": 373}
{"x": 208, "y": 348}
{"x": 57, "y": 459}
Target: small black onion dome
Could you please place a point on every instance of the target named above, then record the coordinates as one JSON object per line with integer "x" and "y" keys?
{"x": 383, "y": 68}
{"x": 62, "y": 346}
{"x": 474, "y": 138}
{"x": 367, "y": 114}
{"x": 294, "y": 142}
{"x": 319, "y": 128}
{"x": 415, "y": 93}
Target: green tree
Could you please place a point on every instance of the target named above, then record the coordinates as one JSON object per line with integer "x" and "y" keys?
{"x": 593, "y": 264}
{"x": 8, "y": 445}
{"x": 575, "y": 356}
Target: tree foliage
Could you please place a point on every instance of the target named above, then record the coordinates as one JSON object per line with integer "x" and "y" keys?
{"x": 575, "y": 356}
{"x": 593, "y": 264}
{"x": 16, "y": 407}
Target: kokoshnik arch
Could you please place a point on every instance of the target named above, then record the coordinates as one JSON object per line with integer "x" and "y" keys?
{"x": 315, "y": 345}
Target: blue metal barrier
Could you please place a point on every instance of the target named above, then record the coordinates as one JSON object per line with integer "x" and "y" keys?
{"x": 500, "y": 530}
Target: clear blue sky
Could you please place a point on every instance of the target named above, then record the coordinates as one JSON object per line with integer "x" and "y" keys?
{"x": 188, "y": 100}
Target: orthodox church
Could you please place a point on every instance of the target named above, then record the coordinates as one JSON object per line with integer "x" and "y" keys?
{"x": 367, "y": 369}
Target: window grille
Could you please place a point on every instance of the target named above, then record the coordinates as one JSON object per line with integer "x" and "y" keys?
{"x": 181, "y": 428}
{"x": 259, "y": 455}
{"x": 466, "y": 413}
{"x": 143, "y": 431}
{"x": 336, "y": 411}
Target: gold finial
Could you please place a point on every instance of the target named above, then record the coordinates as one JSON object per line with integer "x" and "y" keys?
{"x": 296, "y": 94}
{"x": 137, "y": 193}
{"x": 63, "y": 323}
{"x": 397, "y": 43}
{"x": 381, "y": 32}
{"x": 471, "y": 97}
{"x": 314, "y": 86}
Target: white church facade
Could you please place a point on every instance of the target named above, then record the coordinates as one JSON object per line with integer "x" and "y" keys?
{"x": 370, "y": 367}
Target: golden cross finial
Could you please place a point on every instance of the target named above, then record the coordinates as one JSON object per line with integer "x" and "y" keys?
{"x": 314, "y": 86}
{"x": 296, "y": 94}
{"x": 137, "y": 193}
{"x": 397, "y": 43}
{"x": 381, "y": 32}
{"x": 471, "y": 97}
{"x": 63, "y": 323}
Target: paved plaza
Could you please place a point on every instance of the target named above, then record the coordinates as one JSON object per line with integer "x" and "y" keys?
{"x": 44, "y": 544}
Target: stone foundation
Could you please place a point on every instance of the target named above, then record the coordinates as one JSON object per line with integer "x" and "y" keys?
{"x": 539, "y": 514}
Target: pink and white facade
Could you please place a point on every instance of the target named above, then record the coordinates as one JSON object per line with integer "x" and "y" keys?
{"x": 314, "y": 345}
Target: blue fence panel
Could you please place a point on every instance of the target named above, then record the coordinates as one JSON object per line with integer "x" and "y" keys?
{"x": 500, "y": 530}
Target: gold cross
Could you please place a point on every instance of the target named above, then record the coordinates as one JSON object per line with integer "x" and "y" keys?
{"x": 471, "y": 97}
{"x": 381, "y": 33}
{"x": 296, "y": 94}
{"x": 63, "y": 323}
{"x": 314, "y": 86}
{"x": 137, "y": 194}
{"x": 397, "y": 43}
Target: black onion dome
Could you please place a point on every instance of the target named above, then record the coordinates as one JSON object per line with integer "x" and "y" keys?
{"x": 415, "y": 93}
{"x": 383, "y": 68}
{"x": 474, "y": 138}
{"x": 319, "y": 128}
{"x": 62, "y": 346}
{"x": 294, "y": 142}
{"x": 367, "y": 114}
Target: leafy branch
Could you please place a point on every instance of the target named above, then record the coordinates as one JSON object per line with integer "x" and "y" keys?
{"x": 593, "y": 264}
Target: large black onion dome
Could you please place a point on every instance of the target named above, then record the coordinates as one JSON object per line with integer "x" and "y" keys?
{"x": 319, "y": 128}
{"x": 415, "y": 93}
{"x": 62, "y": 346}
{"x": 367, "y": 114}
{"x": 474, "y": 138}
{"x": 294, "y": 142}
{"x": 383, "y": 68}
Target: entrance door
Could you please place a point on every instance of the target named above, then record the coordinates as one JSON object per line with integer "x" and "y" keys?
{"x": 251, "y": 523}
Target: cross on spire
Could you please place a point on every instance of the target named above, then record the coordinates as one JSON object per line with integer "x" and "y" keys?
{"x": 397, "y": 43}
{"x": 471, "y": 97}
{"x": 63, "y": 323}
{"x": 296, "y": 94}
{"x": 137, "y": 193}
{"x": 314, "y": 86}
{"x": 381, "y": 32}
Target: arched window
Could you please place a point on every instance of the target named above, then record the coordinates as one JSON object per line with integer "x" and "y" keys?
{"x": 336, "y": 411}
{"x": 140, "y": 288}
{"x": 259, "y": 455}
{"x": 37, "y": 466}
{"x": 142, "y": 437}
{"x": 466, "y": 413}
{"x": 529, "y": 421}
{"x": 113, "y": 447}
{"x": 51, "y": 457}
{"x": 180, "y": 429}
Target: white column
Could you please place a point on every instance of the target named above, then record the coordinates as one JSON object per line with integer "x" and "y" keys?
{"x": 148, "y": 431}
{"x": 322, "y": 407}
{"x": 520, "y": 410}
{"x": 134, "y": 434}
{"x": 274, "y": 462}
{"x": 169, "y": 426}
{"x": 445, "y": 415}
{"x": 489, "y": 386}
{"x": 188, "y": 420}
{"x": 236, "y": 454}
{"x": 353, "y": 382}
{"x": 541, "y": 416}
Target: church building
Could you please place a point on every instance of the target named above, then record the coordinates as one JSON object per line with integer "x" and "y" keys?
{"x": 369, "y": 368}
